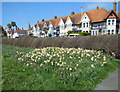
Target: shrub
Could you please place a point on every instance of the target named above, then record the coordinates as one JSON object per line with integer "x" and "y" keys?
{"x": 69, "y": 32}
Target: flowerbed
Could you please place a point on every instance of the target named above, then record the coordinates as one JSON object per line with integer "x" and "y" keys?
{"x": 74, "y": 68}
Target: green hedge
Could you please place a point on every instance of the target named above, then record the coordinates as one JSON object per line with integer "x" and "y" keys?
{"x": 81, "y": 33}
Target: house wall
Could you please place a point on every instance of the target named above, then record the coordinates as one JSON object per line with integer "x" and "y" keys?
{"x": 52, "y": 30}
{"x": 62, "y": 28}
{"x": 68, "y": 25}
{"x": 111, "y": 26}
{"x": 86, "y": 26}
{"x": 94, "y": 32}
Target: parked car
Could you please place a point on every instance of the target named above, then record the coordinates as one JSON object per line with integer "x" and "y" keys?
{"x": 73, "y": 35}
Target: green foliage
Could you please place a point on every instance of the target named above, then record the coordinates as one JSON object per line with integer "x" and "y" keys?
{"x": 9, "y": 25}
{"x": 81, "y": 33}
{"x": 84, "y": 34}
{"x": 45, "y": 29}
{"x": 13, "y": 23}
{"x": 69, "y": 32}
{"x": 18, "y": 76}
{"x": 4, "y": 34}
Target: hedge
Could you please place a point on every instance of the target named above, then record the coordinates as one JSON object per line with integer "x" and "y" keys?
{"x": 108, "y": 43}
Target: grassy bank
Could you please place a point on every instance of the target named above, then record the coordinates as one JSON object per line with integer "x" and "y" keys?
{"x": 54, "y": 68}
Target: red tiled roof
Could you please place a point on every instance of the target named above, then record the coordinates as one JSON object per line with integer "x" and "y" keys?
{"x": 118, "y": 14}
{"x": 94, "y": 16}
{"x": 20, "y": 31}
{"x": 97, "y": 15}
{"x": 9, "y": 32}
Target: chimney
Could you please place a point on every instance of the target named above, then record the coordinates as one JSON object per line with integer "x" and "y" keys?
{"x": 114, "y": 6}
{"x": 72, "y": 13}
{"x": 43, "y": 20}
{"x": 38, "y": 21}
{"x": 29, "y": 25}
{"x": 97, "y": 8}
{"x": 22, "y": 28}
{"x": 55, "y": 17}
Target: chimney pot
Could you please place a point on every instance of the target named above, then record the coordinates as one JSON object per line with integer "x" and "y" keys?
{"x": 97, "y": 8}
{"x": 38, "y": 21}
{"x": 72, "y": 13}
{"x": 55, "y": 17}
{"x": 43, "y": 20}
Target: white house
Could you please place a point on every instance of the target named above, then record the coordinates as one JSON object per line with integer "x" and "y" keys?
{"x": 97, "y": 22}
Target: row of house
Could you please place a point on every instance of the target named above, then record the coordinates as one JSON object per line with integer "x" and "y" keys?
{"x": 11, "y": 33}
{"x": 97, "y": 22}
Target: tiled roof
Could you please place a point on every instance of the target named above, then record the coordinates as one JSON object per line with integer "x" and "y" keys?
{"x": 118, "y": 14}
{"x": 17, "y": 31}
{"x": 20, "y": 31}
{"x": 9, "y": 32}
{"x": 94, "y": 16}
{"x": 97, "y": 15}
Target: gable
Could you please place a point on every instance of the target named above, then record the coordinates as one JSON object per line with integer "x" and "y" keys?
{"x": 111, "y": 14}
{"x": 50, "y": 24}
{"x": 44, "y": 25}
{"x": 61, "y": 22}
{"x": 85, "y": 18}
{"x": 68, "y": 21}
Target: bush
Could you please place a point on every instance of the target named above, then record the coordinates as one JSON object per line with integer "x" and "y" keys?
{"x": 69, "y": 32}
{"x": 84, "y": 34}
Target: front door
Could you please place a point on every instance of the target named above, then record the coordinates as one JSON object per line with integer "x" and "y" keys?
{"x": 100, "y": 31}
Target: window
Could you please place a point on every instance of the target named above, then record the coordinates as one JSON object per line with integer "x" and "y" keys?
{"x": 85, "y": 17}
{"x": 83, "y": 24}
{"x": 109, "y": 22}
{"x": 96, "y": 32}
{"x": 112, "y": 31}
{"x": 93, "y": 32}
{"x": 87, "y": 24}
{"x": 103, "y": 31}
{"x": 86, "y": 31}
{"x": 112, "y": 22}
{"x": 108, "y": 31}
{"x": 95, "y": 25}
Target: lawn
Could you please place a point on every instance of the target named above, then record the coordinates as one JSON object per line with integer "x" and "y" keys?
{"x": 54, "y": 68}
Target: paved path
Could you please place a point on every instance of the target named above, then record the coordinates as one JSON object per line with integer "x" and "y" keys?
{"x": 110, "y": 83}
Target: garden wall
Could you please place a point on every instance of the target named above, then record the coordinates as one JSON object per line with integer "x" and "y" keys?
{"x": 107, "y": 43}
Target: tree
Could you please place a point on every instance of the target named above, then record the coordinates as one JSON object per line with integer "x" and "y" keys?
{"x": 9, "y": 25}
{"x": 13, "y": 24}
{"x": 2, "y": 31}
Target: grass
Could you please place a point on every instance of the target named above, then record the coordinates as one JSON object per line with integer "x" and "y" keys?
{"x": 23, "y": 71}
